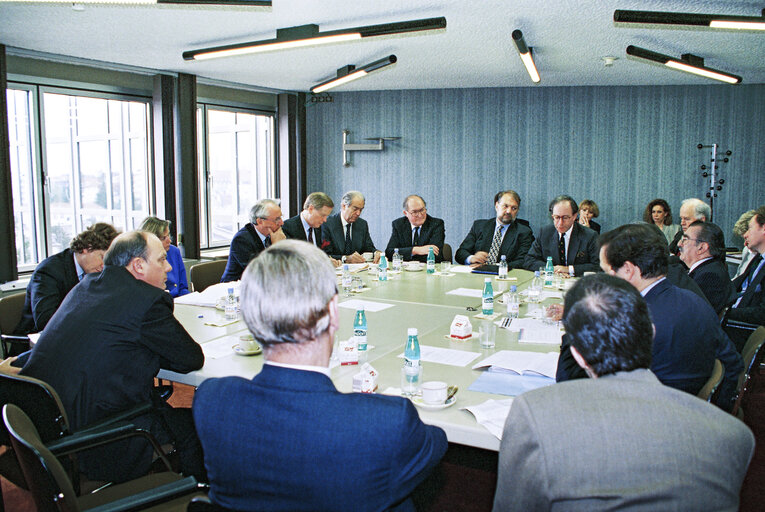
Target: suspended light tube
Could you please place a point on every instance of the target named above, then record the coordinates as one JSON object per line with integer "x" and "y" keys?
{"x": 525, "y": 52}
{"x": 688, "y": 63}
{"x": 350, "y": 73}
{"x": 691, "y": 19}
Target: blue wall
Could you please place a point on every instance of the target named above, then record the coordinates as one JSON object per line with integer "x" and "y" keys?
{"x": 620, "y": 146}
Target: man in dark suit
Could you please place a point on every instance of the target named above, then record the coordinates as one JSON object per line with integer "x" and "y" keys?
{"x": 56, "y": 275}
{"x": 306, "y": 225}
{"x": 702, "y": 249}
{"x": 489, "y": 239}
{"x": 264, "y": 229}
{"x": 416, "y": 232}
{"x": 691, "y": 210}
{"x": 103, "y": 347}
{"x": 688, "y": 334}
{"x": 749, "y": 297}
{"x": 620, "y": 440}
{"x": 573, "y": 247}
{"x": 347, "y": 233}
{"x": 287, "y": 439}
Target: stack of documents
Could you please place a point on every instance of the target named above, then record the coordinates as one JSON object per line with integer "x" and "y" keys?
{"x": 209, "y": 297}
{"x": 521, "y": 363}
{"x": 535, "y": 330}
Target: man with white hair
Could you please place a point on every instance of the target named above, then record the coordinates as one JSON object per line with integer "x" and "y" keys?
{"x": 287, "y": 439}
{"x": 691, "y": 210}
{"x": 347, "y": 233}
{"x": 264, "y": 229}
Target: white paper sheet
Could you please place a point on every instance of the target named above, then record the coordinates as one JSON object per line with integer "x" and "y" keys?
{"x": 461, "y": 269}
{"x": 220, "y": 347}
{"x": 492, "y": 414}
{"x": 209, "y": 297}
{"x": 448, "y": 356}
{"x": 368, "y": 305}
{"x": 470, "y": 292}
{"x": 534, "y": 330}
{"x": 521, "y": 362}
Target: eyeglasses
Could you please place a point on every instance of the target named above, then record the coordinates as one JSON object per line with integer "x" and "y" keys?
{"x": 686, "y": 239}
{"x": 418, "y": 212}
{"x": 564, "y": 218}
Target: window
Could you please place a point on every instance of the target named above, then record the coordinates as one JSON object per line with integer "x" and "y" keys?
{"x": 95, "y": 166}
{"x": 236, "y": 160}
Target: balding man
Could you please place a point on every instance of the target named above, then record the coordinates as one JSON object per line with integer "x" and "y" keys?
{"x": 264, "y": 229}
{"x": 416, "y": 232}
{"x": 702, "y": 249}
{"x": 691, "y": 210}
{"x": 103, "y": 347}
{"x": 347, "y": 233}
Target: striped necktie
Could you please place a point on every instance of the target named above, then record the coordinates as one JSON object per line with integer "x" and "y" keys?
{"x": 495, "y": 245}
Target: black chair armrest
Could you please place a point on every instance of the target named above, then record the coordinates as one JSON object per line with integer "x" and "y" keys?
{"x": 122, "y": 416}
{"x": 145, "y": 499}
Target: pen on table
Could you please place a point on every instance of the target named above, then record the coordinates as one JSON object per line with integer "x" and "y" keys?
{"x": 520, "y": 334}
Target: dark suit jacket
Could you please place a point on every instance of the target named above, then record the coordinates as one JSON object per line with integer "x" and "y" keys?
{"x": 752, "y": 306}
{"x": 674, "y": 244}
{"x": 332, "y": 231}
{"x": 288, "y": 440}
{"x": 583, "y": 250}
{"x": 515, "y": 244}
{"x": 713, "y": 279}
{"x": 103, "y": 348}
{"x": 293, "y": 228}
{"x": 245, "y": 246}
{"x": 53, "y": 278}
{"x": 432, "y": 232}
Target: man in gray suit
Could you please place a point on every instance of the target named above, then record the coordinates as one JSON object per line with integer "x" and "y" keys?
{"x": 619, "y": 440}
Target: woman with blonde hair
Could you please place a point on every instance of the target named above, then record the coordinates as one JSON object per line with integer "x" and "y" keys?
{"x": 176, "y": 284}
{"x": 739, "y": 228}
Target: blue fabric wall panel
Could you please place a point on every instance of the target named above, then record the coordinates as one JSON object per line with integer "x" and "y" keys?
{"x": 620, "y": 146}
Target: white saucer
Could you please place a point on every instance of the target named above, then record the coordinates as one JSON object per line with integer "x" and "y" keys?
{"x": 242, "y": 352}
{"x": 417, "y": 400}
{"x": 414, "y": 268}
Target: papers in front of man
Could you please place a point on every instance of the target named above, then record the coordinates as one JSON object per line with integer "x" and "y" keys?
{"x": 210, "y": 296}
{"x": 448, "y": 356}
{"x": 475, "y": 293}
{"x": 368, "y": 305}
{"x": 352, "y": 267}
{"x": 492, "y": 415}
{"x": 535, "y": 330}
{"x": 522, "y": 363}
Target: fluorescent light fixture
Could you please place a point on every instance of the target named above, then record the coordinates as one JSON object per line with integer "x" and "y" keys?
{"x": 349, "y": 73}
{"x": 308, "y": 35}
{"x": 692, "y": 19}
{"x": 688, "y": 63}
{"x": 525, "y": 52}
{"x": 249, "y": 3}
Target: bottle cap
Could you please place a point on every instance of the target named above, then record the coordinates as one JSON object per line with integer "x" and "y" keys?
{"x": 513, "y": 288}
{"x": 412, "y": 331}
{"x": 536, "y": 273}
{"x": 230, "y": 291}
{"x": 346, "y": 267}
{"x": 486, "y": 279}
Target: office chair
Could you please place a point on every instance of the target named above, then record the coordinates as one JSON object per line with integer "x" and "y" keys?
{"x": 750, "y": 355}
{"x": 205, "y": 274}
{"x": 52, "y": 489}
{"x": 447, "y": 253}
{"x": 11, "y": 309}
{"x": 706, "y": 392}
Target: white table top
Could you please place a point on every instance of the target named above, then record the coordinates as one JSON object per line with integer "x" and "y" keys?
{"x": 417, "y": 300}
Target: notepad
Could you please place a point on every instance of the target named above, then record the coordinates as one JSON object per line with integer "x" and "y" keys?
{"x": 521, "y": 363}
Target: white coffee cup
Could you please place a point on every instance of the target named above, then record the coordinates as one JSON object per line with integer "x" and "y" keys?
{"x": 247, "y": 342}
{"x": 434, "y": 392}
{"x": 368, "y": 256}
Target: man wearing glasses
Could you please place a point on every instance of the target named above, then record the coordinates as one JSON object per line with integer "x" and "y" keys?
{"x": 489, "y": 239}
{"x": 702, "y": 249}
{"x": 416, "y": 232}
{"x": 573, "y": 247}
{"x": 264, "y": 229}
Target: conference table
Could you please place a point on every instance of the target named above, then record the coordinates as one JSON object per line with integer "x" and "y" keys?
{"x": 411, "y": 299}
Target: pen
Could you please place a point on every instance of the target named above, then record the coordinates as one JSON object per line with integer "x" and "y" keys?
{"x": 520, "y": 334}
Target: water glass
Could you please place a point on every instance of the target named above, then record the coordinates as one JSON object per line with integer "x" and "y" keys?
{"x": 487, "y": 332}
{"x": 445, "y": 267}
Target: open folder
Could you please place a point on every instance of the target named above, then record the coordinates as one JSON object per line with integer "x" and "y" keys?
{"x": 521, "y": 363}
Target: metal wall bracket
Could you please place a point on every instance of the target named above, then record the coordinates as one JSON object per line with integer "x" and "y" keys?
{"x": 362, "y": 147}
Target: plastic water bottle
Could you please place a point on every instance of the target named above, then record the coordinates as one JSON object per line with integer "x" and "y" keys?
{"x": 360, "y": 329}
{"x": 502, "y": 272}
{"x": 231, "y": 313}
{"x": 535, "y": 290}
{"x": 412, "y": 370}
{"x": 382, "y": 273}
{"x": 347, "y": 280}
{"x": 487, "y": 303}
{"x": 431, "y": 268}
{"x": 549, "y": 272}
{"x": 397, "y": 258}
{"x": 513, "y": 303}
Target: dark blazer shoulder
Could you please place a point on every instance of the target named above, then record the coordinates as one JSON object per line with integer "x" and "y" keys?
{"x": 293, "y": 228}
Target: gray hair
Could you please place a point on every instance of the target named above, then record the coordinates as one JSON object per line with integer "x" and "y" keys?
{"x": 350, "y": 196}
{"x": 700, "y": 208}
{"x": 318, "y": 200}
{"x": 742, "y": 224}
{"x": 260, "y": 210}
{"x": 133, "y": 244}
{"x": 155, "y": 225}
{"x": 285, "y": 293}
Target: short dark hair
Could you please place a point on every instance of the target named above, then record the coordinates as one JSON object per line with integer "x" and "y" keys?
{"x": 512, "y": 194}
{"x": 759, "y": 213}
{"x": 564, "y": 199}
{"x": 97, "y": 237}
{"x": 642, "y": 245}
{"x": 712, "y": 235}
{"x": 127, "y": 246}
{"x": 648, "y": 213}
{"x": 609, "y": 324}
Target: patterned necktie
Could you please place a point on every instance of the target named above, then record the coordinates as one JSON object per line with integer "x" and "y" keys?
{"x": 495, "y": 244}
{"x": 562, "y": 249}
{"x": 751, "y": 274}
{"x": 348, "y": 247}
{"x": 267, "y": 242}
{"x": 310, "y": 235}
{"x": 416, "y": 237}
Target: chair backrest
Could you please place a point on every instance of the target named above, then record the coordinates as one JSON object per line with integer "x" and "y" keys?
{"x": 39, "y": 401}
{"x": 714, "y": 380}
{"x": 11, "y": 308}
{"x": 749, "y": 355}
{"x": 205, "y": 274}
{"x": 447, "y": 253}
{"x": 50, "y": 486}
